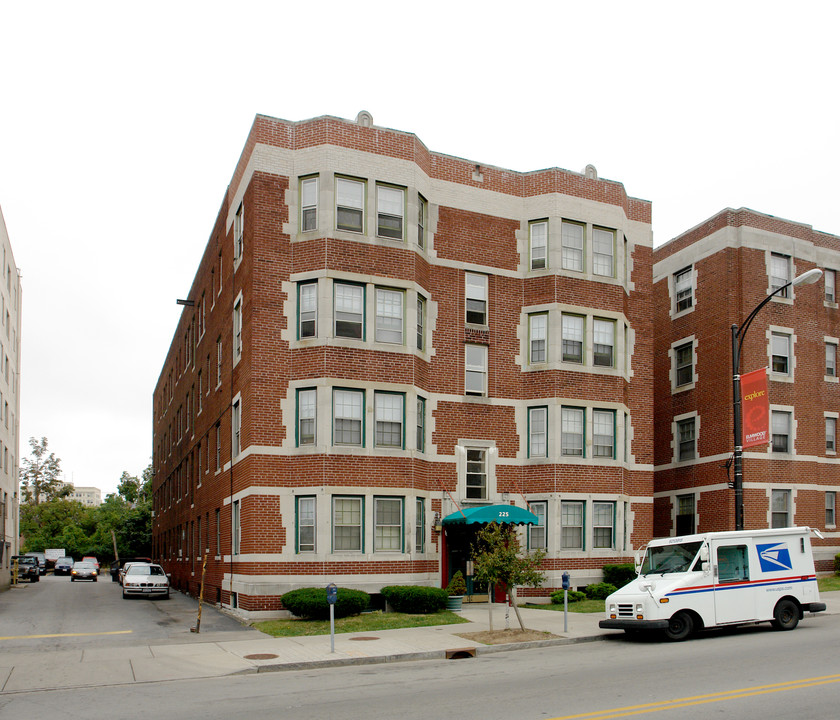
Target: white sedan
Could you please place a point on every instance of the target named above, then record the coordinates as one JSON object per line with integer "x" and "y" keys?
{"x": 145, "y": 579}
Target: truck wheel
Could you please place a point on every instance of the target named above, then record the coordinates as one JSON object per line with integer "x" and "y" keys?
{"x": 786, "y": 615}
{"x": 679, "y": 626}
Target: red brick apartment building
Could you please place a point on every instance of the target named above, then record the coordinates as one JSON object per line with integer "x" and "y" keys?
{"x": 381, "y": 335}
{"x": 704, "y": 281}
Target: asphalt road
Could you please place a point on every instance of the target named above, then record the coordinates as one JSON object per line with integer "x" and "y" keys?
{"x": 750, "y": 673}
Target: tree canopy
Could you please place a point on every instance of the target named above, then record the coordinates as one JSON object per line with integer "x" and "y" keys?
{"x": 41, "y": 475}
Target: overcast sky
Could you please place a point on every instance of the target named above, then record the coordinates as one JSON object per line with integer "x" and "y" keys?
{"x": 121, "y": 124}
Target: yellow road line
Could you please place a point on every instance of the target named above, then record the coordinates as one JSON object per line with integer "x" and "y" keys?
{"x": 702, "y": 699}
{"x": 60, "y": 635}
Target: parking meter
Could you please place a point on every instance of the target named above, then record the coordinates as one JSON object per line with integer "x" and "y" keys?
{"x": 332, "y": 593}
{"x": 332, "y": 596}
{"x": 566, "y": 578}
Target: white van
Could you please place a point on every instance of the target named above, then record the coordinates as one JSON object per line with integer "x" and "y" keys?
{"x": 708, "y": 580}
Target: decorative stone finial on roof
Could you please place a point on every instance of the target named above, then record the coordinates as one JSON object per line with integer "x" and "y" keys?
{"x": 364, "y": 118}
{"x": 590, "y": 172}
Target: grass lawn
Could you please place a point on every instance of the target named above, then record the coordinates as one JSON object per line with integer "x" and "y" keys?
{"x": 827, "y": 583}
{"x": 367, "y": 622}
{"x": 581, "y": 606}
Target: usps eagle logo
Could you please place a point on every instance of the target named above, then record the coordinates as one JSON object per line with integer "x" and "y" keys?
{"x": 774, "y": 557}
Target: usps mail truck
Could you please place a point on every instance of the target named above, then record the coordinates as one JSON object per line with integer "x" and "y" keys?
{"x": 714, "y": 579}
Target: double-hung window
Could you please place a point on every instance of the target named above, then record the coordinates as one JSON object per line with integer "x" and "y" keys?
{"x": 306, "y": 412}
{"x": 422, "y": 218}
{"x": 684, "y": 361}
{"x": 780, "y": 509}
{"x": 349, "y": 302}
{"x": 238, "y": 233}
{"x": 686, "y": 448}
{"x": 420, "y": 525}
{"x": 308, "y": 310}
{"x": 571, "y": 432}
{"x": 830, "y": 508}
{"x": 476, "y": 477}
{"x": 236, "y": 423}
{"x": 476, "y": 299}
{"x": 475, "y": 369}
{"x": 603, "y": 525}
{"x": 780, "y": 427}
{"x": 538, "y": 232}
{"x": 348, "y": 411}
{"x": 390, "y": 211}
{"x": 306, "y": 524}
{"x": 780, "y": 351}
{"x": 237, "y": 330}
{"x": 387, "y": 524}
{"x": 603, "y": 342}
{"x": 421, "y": 323}
{"x": 779, "y": 273}
{"x": 603, "y": 252}
{"x": 603, "y": 433}
{"x": 388, "y": 417}
{"x": 685, "y": 514}
{"x": 420, "y": 440}
{"x": 571, "y": 525}
{"x": 350, "y": 204}
{"x": 347, "y": 524}
{"x": 831, "y": 360}
{"x": 389, "y": 315}
{"x": 537, "y": 539}
{"x": 683, "y": 290}
{"x": 537, "y": 432}
{"x": 235, "y": 528}
{"x": 830, "y": 434}
{"x": 571, "y": 239}
{"x": 309, "y": 204}
{"x": 830, "y": 286}
{"x": 538, "y": 333}
{"x": 572, "y": 329}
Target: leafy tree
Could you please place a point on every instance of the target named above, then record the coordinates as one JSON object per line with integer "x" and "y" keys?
{"x": 40, "y": 474}
{"x": 57, "y": 523}
{"x": 498, "y": 558}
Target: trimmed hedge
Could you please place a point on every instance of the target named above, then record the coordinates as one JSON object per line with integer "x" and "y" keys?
{"x": 414, "y": 599}
{"x": 619, "y": 575}
{"x": 574, "y": 596}
{"x": 837, "y": 564}
{"x": 599, "y": 591}
{"x": 312, "y": 603}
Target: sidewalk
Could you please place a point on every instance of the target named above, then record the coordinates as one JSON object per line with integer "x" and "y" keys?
{"x": 250, "y": 651}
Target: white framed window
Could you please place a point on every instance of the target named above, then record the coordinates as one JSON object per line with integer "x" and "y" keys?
{"x": 603, "y": 433}
{"x": 538, "y": 232}
{"x": 476, "y": 476}
{"x": 571, "y": 239}
{"x": 349, "y": 303}
{"x": 348, "y": 410}
{"x": 421, "y": 323}
{"x": 572, "y": 329}
{"x": 686, "y": 439}
{"x": 235, "y": 528}
{"x": 603, "y": 252}
{"x": 218, "y": 447}
{"x": 830, "y": 286}
{"x": 831, "y": 359}
{"x": 603, "y": 525}
{"x": 390, "y": 211}
{"x": 420, "y": 525}
{"x": 387, "y": 524}
{"x": 420, "y": 439}
{"x": 780, "y": 423}
{"x": 347, "y": 524}
{"x": 603, "y": 342}
{"x": 537, "y": 539}
{"x": 306, "y": 524}
{"x": 831, "y": 435}
{"x": 476, "y": 299}
{"x": 307, "y": 407}
{"x": 571, "y": 524}
{"x": 309, "y": 204}
{"x": 218, "y": 363}
{"x": 350, "y": 204}
{"x": 389, "y": 315}
{"x": 780, "y": 353}
{"x": 538, "y": 336}
{"x": 237, "y": 330}
{"x": 780, "y": 509}
{"x": 475, "y": 369}
{"x": 389, "y": 420}
{"x": 538, "y": 432}
{"x": 307, "y": 310}
{"x": 830, "y": 508}
{"x": 239, "y": 233}
{"x": 422, "y": 220}
{"x": 683, "y": 289}
{"x": 684, "y": 364}
{"x": 780, "y": 273}
{"x": 685, "y": 514}
{"x": 236, "y": 428}
{"x": 572, "y": 431}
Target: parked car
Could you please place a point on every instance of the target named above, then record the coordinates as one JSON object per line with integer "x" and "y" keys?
{"x": 83, "y": 571}
{"x": 63, "y": 566}
{"x": 42, "y": 561}
{"x": 27, "y": 568}
{"x": 91, "y": 559}
{"x": 117, "y": 565}
{"x": 145, "y": 579}
{"x": 128, "y": 565}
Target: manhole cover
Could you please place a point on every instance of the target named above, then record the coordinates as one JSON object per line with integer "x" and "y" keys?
{"x": 261, "y": 656}
{"x": 363, "y": 637}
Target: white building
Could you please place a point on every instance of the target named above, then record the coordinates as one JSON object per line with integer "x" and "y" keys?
{"x": 88, "y": 496}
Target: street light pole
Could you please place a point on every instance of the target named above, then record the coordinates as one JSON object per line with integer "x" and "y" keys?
{"x": 806, "y": 278}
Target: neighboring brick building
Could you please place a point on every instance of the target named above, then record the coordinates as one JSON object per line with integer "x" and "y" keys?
{"x": 378, "y": 335}
{"x": 704, "y": 281}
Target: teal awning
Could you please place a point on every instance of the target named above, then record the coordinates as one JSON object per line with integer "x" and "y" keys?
{"x": 509, "y": 514}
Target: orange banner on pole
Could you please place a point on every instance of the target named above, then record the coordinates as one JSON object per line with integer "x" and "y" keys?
{"x": 755, "y": 408}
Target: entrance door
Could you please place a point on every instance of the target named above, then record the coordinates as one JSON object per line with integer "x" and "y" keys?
{"x": 734, "y": 597}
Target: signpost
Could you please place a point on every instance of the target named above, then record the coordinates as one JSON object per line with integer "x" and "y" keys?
{"x": 332, "y": 596}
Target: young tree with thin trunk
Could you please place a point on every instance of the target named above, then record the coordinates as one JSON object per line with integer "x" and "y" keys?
{"x": 40, "y": 475}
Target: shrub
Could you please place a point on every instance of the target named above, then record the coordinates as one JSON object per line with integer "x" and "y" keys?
{"x": 837, "y": 564}
{"x": 619, "y": 575}
{"x": 457, "y": 584}
{"x": 415, "y": 599}
{"x": 312, "y": 603}
{"x": 574, "y": 596}
{"x": 599, "y": 591}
